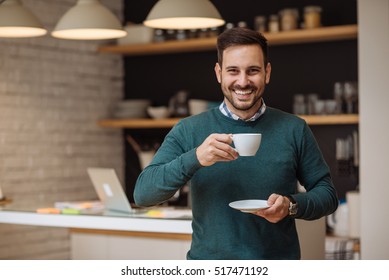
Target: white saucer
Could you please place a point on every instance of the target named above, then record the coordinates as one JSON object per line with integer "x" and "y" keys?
{"x": 249, "y": 205}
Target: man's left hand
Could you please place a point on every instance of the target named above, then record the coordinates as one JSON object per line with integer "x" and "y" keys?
{"x": 279, "y": 208}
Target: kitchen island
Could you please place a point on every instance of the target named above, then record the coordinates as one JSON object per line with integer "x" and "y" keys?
{"x": 163, "y": 234}
{"x": 156, "y": 234}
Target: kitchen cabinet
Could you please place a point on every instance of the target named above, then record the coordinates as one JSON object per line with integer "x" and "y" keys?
{"x": 92, "y": 244}
{"x": 87, "y": 244}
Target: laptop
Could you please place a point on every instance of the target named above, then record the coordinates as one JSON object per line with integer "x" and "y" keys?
{"x": 110, "y": 191}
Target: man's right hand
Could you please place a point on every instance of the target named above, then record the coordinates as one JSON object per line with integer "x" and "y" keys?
{"x": 216, "y": 147}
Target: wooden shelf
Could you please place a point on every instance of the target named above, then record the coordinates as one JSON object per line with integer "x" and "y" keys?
{"x": 322, "y": 34}
{"x": 139, "y": 123}
{"x": 168, "y": 123}
{"x": 331, "y": 119}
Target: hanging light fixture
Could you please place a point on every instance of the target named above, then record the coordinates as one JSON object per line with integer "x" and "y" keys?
{"x": 88, "y": 20}
{"x": 183, "y": 14}
{"x": 16, "y": 21}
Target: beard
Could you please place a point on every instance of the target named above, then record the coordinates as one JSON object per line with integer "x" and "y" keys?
{"x": 242, "y": 106}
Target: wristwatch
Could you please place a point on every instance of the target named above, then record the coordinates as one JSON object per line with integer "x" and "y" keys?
{"x": 293, "y": 206}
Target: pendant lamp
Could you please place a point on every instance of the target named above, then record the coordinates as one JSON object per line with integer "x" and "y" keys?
{"x": 16, "y": 21}
{"x": 183, "y": 14}
{"x": 88, "y": 20}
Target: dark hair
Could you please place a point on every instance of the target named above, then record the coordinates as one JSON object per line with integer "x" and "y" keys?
{"x": 241, "y": 36}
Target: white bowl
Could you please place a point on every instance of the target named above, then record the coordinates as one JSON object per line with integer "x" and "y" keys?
{"x": 197, "y": 106}
{"x": 159, "y": 112}
{"x": 131, "y": 108}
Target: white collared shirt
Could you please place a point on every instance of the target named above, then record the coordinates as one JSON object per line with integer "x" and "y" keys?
{"x": 227, "y": 112}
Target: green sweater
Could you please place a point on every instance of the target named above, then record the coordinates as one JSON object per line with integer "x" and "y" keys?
{"x": 288, "y": 153}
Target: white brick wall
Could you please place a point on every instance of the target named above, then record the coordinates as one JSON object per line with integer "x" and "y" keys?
{"x": 52, "y": 93}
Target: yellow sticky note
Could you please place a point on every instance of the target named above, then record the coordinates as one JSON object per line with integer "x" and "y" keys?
{"x": 155, "y": 214}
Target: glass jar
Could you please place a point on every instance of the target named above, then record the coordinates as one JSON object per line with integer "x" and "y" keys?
{"x": 260, "y": 24}
{"x": 203, "y": 33}
{"x": 338, "y": 97}
{"x": 181, "y": 35}
{"x": 312, "y": 17}
{"x": 229, "y": 25}
{"x": 159, "y": 35}
{"x": 299, "y": 106}
{"x": 170, "y": 34}
{"x": 289, "y": 18}
{"x": 274, "y": 24}
{"x": 192, "y": 33}
{"x": 213, "y": 32}
{"x": 312, "y": 98}
{"x": 242, "y": 24}
{"x": 179, "y": 104}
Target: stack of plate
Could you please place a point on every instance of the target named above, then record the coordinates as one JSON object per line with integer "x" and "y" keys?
{"x": 131, "y": 109}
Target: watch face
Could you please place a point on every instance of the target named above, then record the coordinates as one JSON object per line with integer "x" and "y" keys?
{"x": 292, "y": 209}
{"x": 292, "y": 206}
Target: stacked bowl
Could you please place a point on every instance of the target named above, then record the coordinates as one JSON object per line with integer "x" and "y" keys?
{"x": 131, "y": 109}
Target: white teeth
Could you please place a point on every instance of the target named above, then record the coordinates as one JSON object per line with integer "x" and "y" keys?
{"x": 241, "y": 92}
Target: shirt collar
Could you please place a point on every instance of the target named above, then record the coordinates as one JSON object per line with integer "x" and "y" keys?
{"x": 225, "y": 111}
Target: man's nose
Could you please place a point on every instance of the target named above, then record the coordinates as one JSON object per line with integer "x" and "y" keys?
{"x": 243, "y": 80}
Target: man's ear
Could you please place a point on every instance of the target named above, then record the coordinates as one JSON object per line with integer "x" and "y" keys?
{"x": 218, "y": 72}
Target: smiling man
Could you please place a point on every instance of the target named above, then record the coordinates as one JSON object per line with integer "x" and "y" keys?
{"x": 243, "y": 75}
{"x": 198, "y": 151}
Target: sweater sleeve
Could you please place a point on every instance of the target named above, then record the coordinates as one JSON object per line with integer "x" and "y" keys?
{"x": 171, "y": 168}
{"x": 320, "y": 198}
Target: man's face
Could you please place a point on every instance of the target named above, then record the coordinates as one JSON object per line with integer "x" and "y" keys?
{"x": 243, "y": 77}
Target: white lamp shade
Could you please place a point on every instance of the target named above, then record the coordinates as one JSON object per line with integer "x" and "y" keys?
{"x": 88, "y": 20}
{"x": 183, "y": 14}
{"x": 16, "y": 21}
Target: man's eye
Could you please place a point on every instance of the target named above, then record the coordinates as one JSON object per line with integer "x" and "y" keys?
{"x": 253, "y": 71}
{"x": 232, "y": 71}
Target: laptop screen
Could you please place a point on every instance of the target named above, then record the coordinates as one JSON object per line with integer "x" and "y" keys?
{"x": 109, "y": 189}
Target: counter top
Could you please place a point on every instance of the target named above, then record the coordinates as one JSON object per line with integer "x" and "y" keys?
{"x": 106, "y": 221}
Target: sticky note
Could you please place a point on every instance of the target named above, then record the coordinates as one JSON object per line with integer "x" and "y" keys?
{"x": 48, "y": 211}
{"x": 71, "y": 211}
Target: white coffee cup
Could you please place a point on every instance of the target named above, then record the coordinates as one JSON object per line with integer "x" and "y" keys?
{"x": 247, "y": 144}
